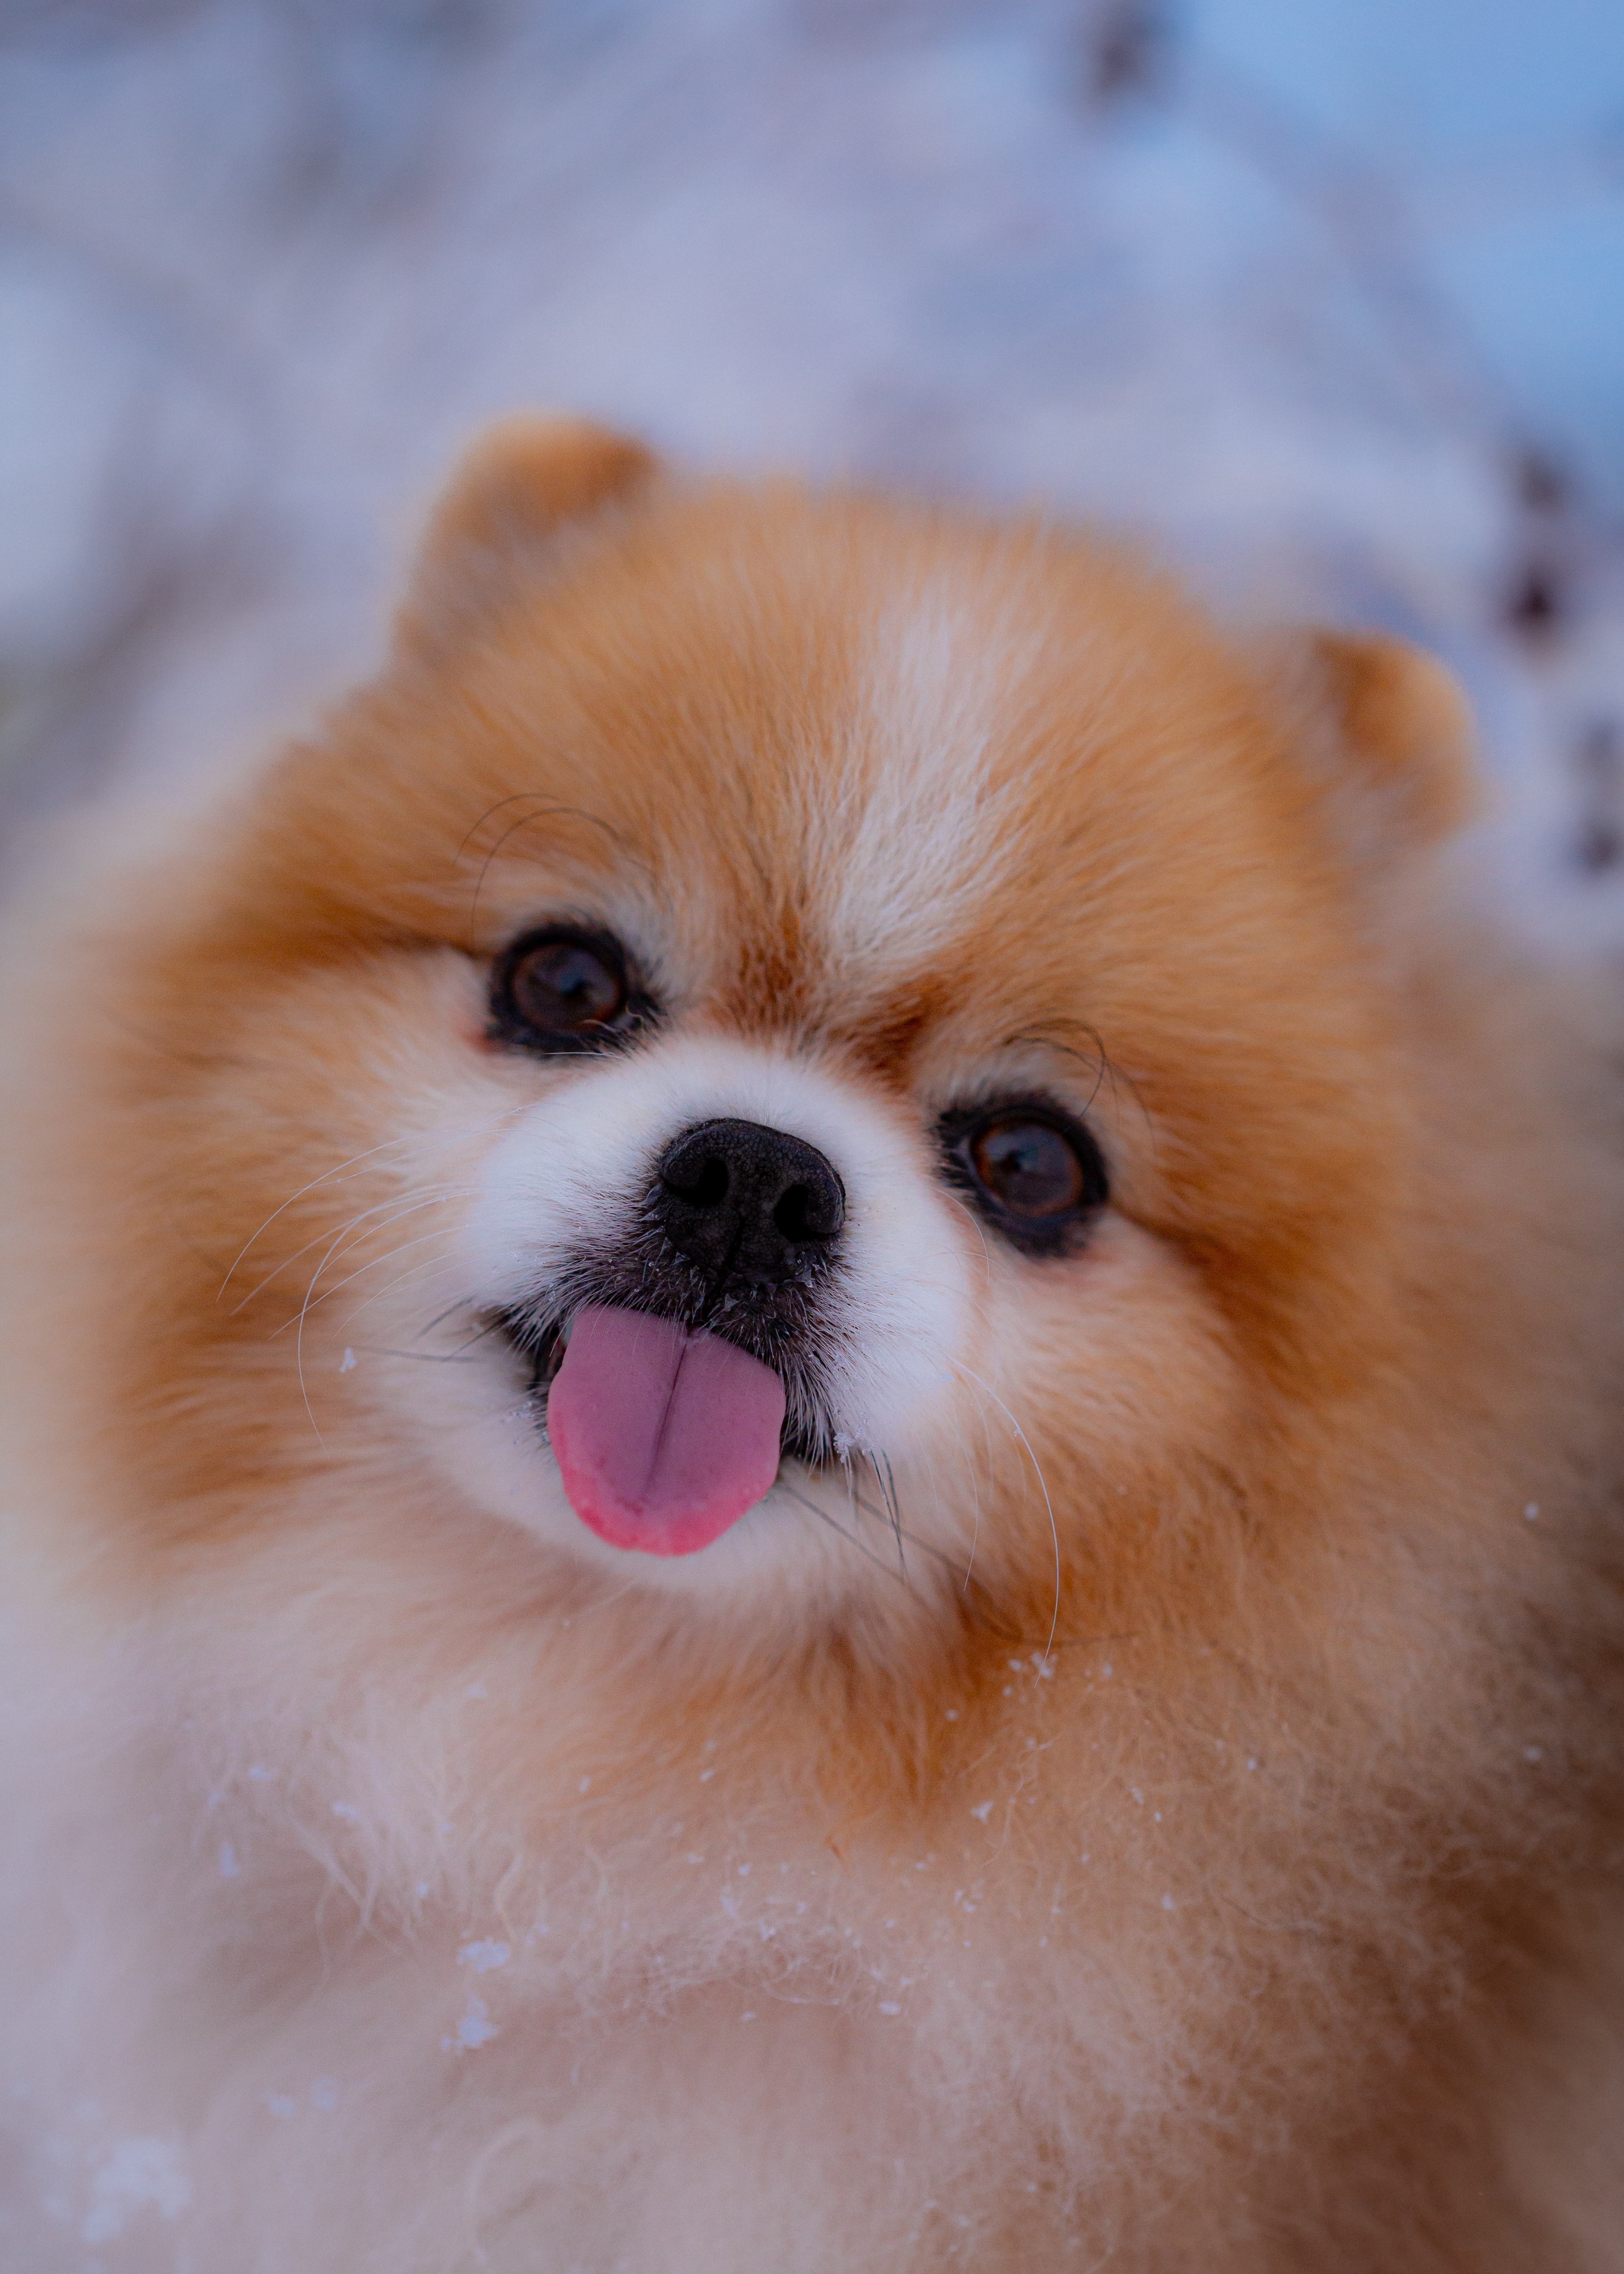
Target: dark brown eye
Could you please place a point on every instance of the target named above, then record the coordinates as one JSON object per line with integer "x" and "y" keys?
{"x": 1030, "y": 1168}
{"x": 563, "y": 990}
{"x": 564, "y": 987}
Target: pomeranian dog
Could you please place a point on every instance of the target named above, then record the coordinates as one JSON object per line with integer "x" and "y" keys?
{"x": 814, "y": 1377}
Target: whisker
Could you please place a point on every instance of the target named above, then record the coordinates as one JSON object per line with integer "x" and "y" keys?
{"x": 1106, "y": 1069}
{"x": 403, "y": 1202}
{"x": 432, "y": 1267}
{"x": 914, "y": 1539}
{"x": 354, "y": 1161}
{"x": 850, "y": 1538}
{"x": 423, "y": 1357}
{"x": 887, "y": 1484}
{"x": 298, "y": 1360}
{"x": 312, "y": 1301}
{"x": 299, "y": 1340}
{"x": 548, "y": 807}
{"x": 491, "y": 1326}
{"x": 507, "y": 1113}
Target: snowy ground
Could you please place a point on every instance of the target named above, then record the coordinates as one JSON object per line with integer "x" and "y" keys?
{"x": 1329, "y": 299}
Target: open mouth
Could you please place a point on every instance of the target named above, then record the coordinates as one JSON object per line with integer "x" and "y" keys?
{"x": 665, "y": 1435}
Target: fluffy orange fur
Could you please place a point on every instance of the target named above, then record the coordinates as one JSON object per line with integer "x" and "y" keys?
{"x": 1190, "y": 1840}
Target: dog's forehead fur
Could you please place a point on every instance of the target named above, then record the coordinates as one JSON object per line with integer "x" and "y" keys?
{"x": 839, "y": 733}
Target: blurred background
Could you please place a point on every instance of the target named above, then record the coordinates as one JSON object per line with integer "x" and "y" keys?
{"x": 1324, "y": 298}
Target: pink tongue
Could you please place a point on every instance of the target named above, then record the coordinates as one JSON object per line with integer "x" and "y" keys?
{"x": 663, "y": 1438}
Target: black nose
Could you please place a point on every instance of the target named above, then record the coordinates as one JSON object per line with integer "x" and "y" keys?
{"x": 745, "y": 1202}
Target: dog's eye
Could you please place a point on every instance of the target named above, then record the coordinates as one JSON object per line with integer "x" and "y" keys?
{"x": 563, "y": 990}
{"x": 1030, "y": 1168}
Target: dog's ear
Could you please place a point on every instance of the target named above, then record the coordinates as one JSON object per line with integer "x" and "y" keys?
{"x": 511, "y": 503}
{"x": 1389, "y": 729}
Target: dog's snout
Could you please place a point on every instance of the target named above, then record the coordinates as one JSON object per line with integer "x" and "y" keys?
{"x": 746, "y": 1202}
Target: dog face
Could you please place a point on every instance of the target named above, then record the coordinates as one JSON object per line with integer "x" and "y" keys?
{"x": 812, "y": 1284}
{"x": 782, "y": 1047}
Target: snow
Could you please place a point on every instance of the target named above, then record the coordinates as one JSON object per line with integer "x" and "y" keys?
{"x": 483, "y": 1957}
{"x": 137, "y": 2172}
{"x": 475, "y": 2028}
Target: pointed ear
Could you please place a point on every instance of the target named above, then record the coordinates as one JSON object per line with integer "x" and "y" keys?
{"x": 510, "y": 505}
{"x": 1396, "y": 737}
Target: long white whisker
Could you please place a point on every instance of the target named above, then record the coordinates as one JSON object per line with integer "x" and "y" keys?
{"x": 354, "y": 1162}
{"x": 313, "y": 1302}
{"x": 299, "y": 1340}
{"x": 507, "y": 1114}
{"x": 403, "y": 1202}
{"x": 430, "y": 1269}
